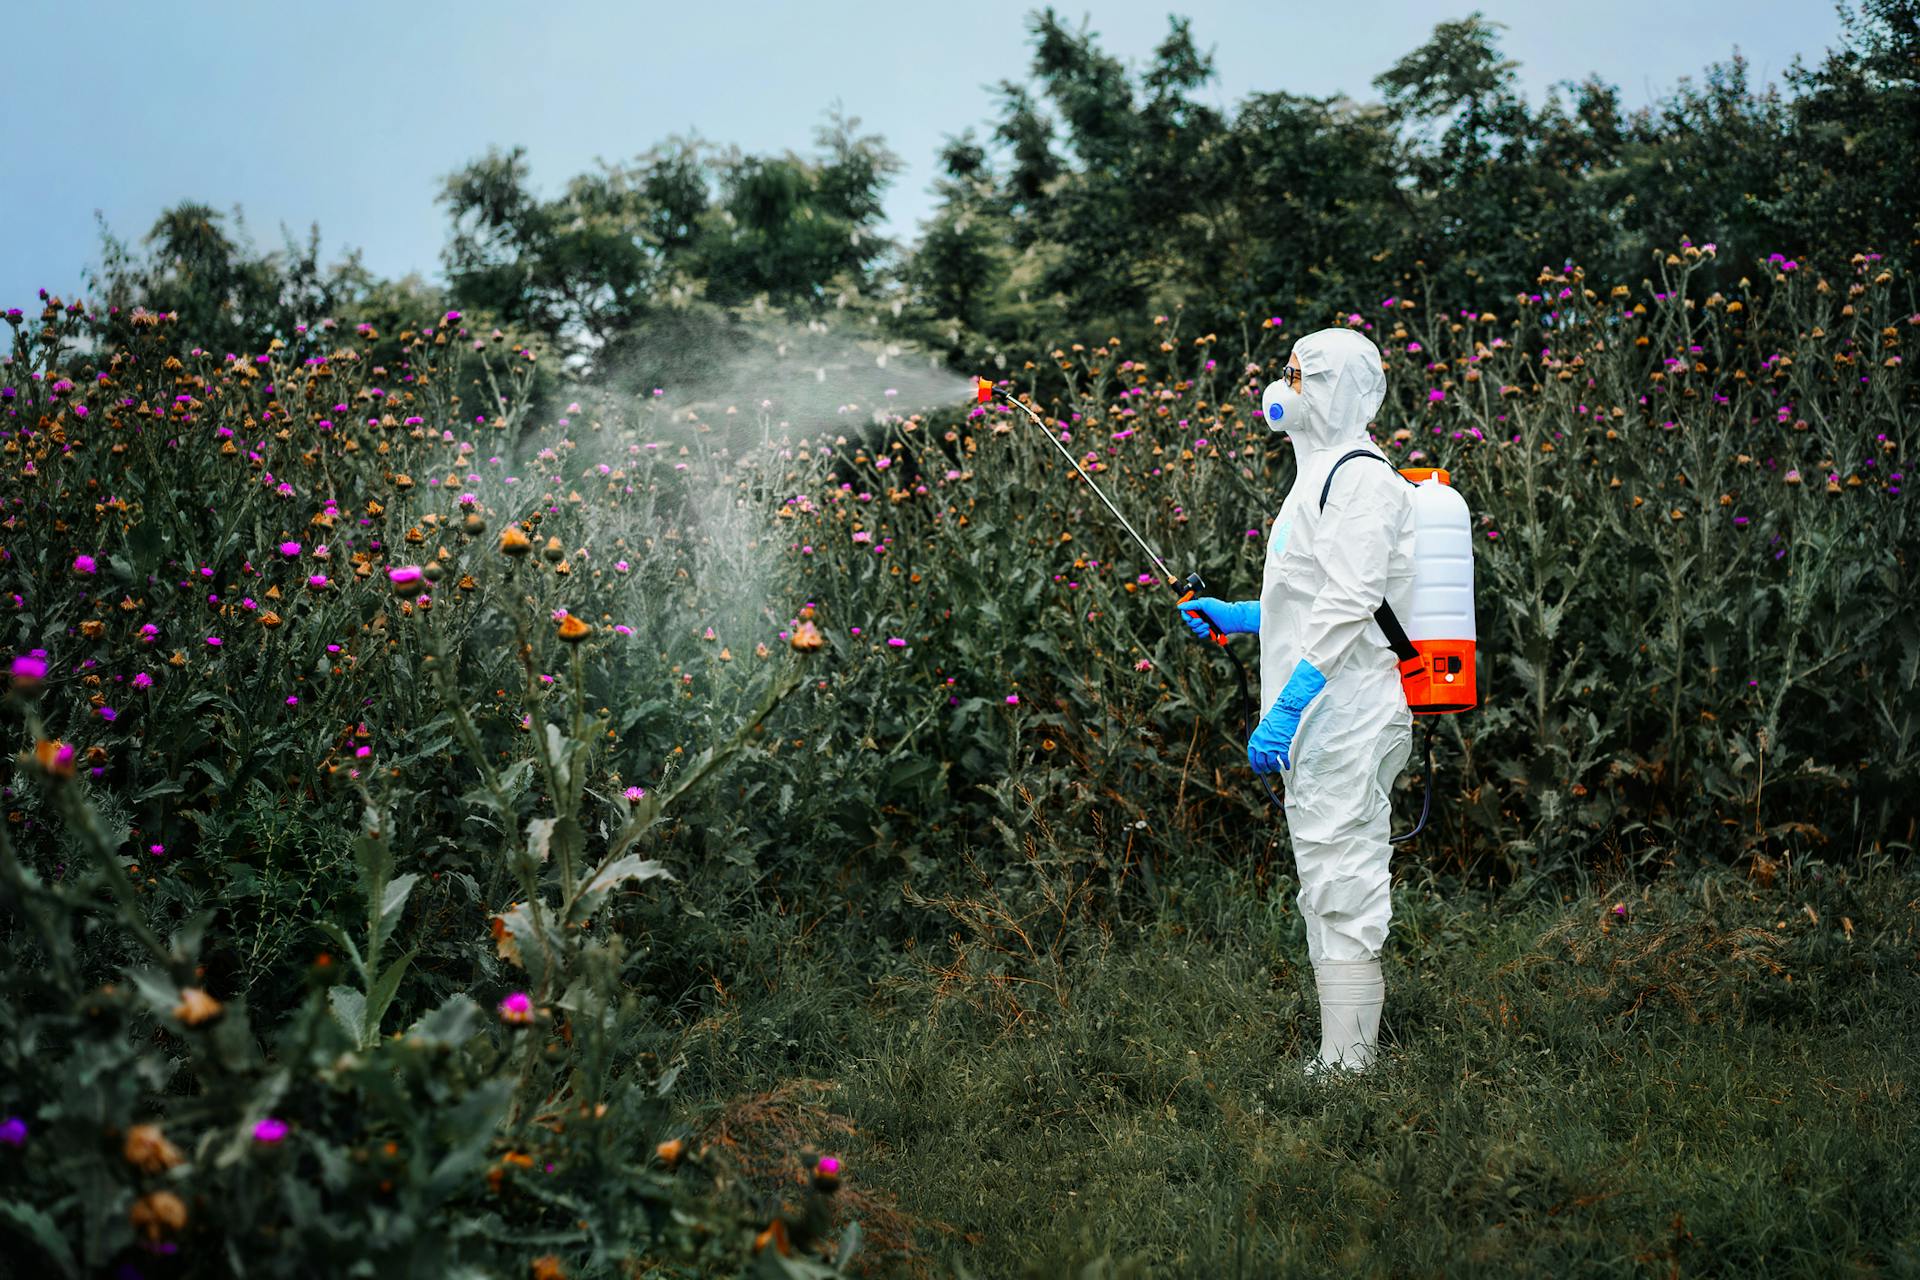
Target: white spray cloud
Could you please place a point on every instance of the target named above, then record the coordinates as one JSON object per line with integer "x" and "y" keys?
{"x": 744, "y": 415}
{"x": 790, "y": 381}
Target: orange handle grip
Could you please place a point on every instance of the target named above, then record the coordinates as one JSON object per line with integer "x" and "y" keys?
{"x": 1219, "y": 636}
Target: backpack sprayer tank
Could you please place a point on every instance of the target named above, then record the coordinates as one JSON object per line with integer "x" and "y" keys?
{"x": 1435, "y": 646}
{"x": 1440, "y": 678}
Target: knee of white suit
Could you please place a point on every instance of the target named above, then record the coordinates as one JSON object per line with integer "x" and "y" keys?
{"x": 1347, "y": 915}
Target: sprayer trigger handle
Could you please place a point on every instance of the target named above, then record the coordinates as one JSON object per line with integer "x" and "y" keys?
{"x": 1218, "y": 636}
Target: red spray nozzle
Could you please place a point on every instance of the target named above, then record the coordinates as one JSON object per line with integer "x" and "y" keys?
{"x": 984, "y": 387}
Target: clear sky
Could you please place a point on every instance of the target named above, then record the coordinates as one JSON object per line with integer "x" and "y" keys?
{"x": 350, "y": 112}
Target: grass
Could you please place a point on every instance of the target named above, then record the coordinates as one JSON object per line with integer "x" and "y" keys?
{"x": 1714, "y": 1082}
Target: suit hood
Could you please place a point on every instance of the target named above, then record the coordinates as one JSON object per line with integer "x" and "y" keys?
{"x": 1343, "y": 385}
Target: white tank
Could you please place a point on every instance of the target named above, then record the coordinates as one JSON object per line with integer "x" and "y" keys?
{"x": 1439, "y": 618}
{"x": 1442, "y": 607}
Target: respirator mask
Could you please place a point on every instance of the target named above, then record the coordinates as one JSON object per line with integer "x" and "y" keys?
{"x": 1283, "y": 406}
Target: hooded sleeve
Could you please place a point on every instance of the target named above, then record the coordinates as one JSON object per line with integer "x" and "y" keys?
{"x": 1353, "y": 541}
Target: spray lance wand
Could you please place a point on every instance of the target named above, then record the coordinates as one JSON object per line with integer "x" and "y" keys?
{"x": 1193, "y": 584}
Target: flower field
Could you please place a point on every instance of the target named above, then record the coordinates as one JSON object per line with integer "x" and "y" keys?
{"x": 455, "y": 828}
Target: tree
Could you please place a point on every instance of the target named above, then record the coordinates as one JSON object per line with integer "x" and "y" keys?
{"x": 789, "y": 228}
{"x": 1468, "y": 159}
{"x": 228, "y": 295}
{"x": 1319, "y": 209}
{"x": 1853, "y": 156}
{"x": 1705, "y": 162}
{"x": 630, "y": 272}
{"x": 580, "y": 269}
{"x": 962, "y": 255}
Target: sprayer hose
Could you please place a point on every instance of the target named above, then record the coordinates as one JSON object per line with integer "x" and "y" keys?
{"x": 1426, "y": 800}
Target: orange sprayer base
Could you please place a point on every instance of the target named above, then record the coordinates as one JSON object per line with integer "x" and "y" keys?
{"x": 1441, "y": 679}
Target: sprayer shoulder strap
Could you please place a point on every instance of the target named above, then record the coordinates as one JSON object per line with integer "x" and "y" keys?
{"x": 1343, "y": 460}
{"x": 1389, "y": 624}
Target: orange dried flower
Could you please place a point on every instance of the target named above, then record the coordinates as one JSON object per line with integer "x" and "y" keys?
{"x": 158, "y": 1215}
{"x": 573, "y": 630}
{"x": 548, "y": 1268}
{"x": 55, "y": 757}
{"x": 514, "y": 542}
{"x": 148, "y": 1150}
{"x": 196, "y": 1007}
{"x": 504, "y": 943}
{"x": 670, "y": 1151}
{"x": 807, "y": 638}
{"x": 775, "y": 1235}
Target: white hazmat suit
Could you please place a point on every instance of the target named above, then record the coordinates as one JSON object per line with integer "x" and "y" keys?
{"x": 1326, "y": 572}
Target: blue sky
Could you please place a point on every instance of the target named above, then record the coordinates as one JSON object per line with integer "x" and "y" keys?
{"x": 351, "y": 113}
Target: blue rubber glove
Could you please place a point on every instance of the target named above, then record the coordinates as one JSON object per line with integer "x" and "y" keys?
{"x": 1233, "y": 617}
{"x": 1271, "y": 747}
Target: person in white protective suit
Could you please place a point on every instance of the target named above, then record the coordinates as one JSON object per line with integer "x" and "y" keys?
{"x": 1335, "y": 725}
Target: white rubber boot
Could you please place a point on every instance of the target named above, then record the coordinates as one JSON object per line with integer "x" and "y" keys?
{"x": 1351, "y": 995}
